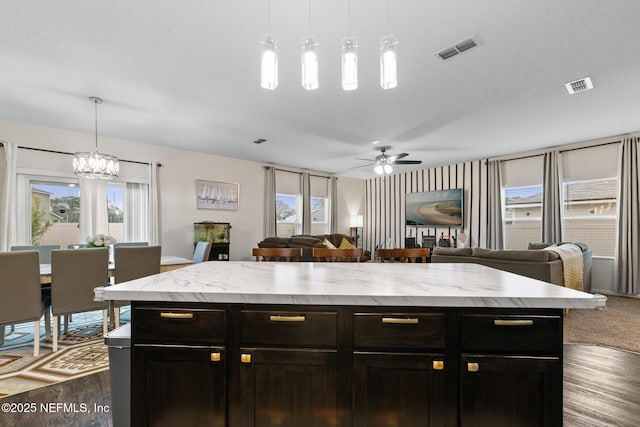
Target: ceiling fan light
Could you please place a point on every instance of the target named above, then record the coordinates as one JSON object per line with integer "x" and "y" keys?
{"x": 349, "y": 63}
{"x": 388, "y": 62}
{"x": 388, "y": 169}
{"x": 269, "y": 63}
{"x": 309, "y": 63}
{"x": 378, "y": 169}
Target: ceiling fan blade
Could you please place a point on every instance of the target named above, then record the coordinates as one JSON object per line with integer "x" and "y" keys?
{"x": 366, "y": 160}
{"x": 398, "y": 156}
{"x": 362, "y": 166}
{"x": 407, "y": 162}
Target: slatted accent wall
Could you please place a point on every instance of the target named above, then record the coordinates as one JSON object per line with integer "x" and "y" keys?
{"x": 385, "y": 204}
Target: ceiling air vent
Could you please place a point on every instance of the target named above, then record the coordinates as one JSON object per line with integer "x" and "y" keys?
{"x": 579, "y": 85}
{"x": 259, "y": 141}
{"x": 456, "y": 48}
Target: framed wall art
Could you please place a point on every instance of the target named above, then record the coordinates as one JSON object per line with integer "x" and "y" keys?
{"x": 217, "y": 195}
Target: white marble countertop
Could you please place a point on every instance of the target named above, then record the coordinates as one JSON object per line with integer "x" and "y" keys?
{"x": 375, "y": 284}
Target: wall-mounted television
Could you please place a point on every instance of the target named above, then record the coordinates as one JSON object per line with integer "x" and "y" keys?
{"x": 434, "y": 208}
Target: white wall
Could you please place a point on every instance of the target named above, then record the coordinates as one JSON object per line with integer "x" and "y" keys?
{"x": 180, "y": 169}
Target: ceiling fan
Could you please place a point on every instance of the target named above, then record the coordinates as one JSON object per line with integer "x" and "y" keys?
{"x": 383, "y": 161}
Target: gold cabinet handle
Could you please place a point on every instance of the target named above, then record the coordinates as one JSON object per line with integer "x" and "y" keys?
{"x": 400, "y": 320}
{"x": 275, "y": 318}
{"x": 500, "y": 322}
{"x": 245, "y": 358}
{"x": 438, "y": 365}
{"x": 473, "y": 367}
{"x": 165, "y": 315}
{"x": 215, "y": 357}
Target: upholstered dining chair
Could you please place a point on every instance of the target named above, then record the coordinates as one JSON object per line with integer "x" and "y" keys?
{"x": 74, "y": 275}
{"x": 44, "y": 251}
{"x": 277, "y": 254}
{"x": 133, "y": 262}
{"x": 337, "y": 255}
{"x": 20, "y": 286}
{"x": 118, "y": 244}
{"x": 201, "y": 252}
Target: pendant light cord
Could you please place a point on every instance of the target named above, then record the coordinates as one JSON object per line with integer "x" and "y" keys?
{"x": 269, "y": 16}
{"x": 95, "y": 103}
{"x": 349, "y": 18}
{"x": 309, "y": 16}
{"x": 388, "y": 16}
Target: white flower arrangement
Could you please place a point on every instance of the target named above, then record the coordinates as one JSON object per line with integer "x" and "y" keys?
{"x": 100, "y": 240}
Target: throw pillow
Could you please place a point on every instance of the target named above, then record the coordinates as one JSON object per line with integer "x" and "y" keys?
{"x": 345, "y": 244}
{"x": 328, "y": 244}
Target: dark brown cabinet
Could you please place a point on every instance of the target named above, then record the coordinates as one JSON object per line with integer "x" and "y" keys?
{"x": 179, "y": 385}
{"x": 179, "y": 374}
{"x": 244, "y": 365}
{"x": 398, "y": 389}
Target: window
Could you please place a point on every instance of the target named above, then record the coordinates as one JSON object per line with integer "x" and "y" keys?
{"x": 589, "y": 214}
{"x": 522, "y": 216}
{"x": 288, "y": 215}
{"x": 319, "y": 215}
{"x": 115, "y": 211}
{"x": 54, "y": 212}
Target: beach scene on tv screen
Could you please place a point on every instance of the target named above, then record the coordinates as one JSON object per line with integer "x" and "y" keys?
{"x": 434, "y": 208}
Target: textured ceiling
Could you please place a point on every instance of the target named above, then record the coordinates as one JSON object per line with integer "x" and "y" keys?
{"x": 186, "y": 74}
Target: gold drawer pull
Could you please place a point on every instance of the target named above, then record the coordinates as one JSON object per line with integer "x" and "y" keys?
{"x": 499, "y": 322}
{"x": 215, "y": 357}
{"x": 473, "y": 367}
{"x": 245, "y": 358}
{"x": 400, "y": 320}
{"x": 275, "y": 318}
{"x": 176, "y": 315}
{"x": 438, "y": 365}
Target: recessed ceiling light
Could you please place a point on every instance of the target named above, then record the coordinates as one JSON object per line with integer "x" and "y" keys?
{"x": 376, "y": 142}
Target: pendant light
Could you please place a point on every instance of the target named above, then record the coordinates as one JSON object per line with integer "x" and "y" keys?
{"x": 309, "y": 59}
{"x": 95, "y": 165}
{"x": 350, "y": 59}
{"x": 388, "y": 60}
{"x": 269, "y": 60}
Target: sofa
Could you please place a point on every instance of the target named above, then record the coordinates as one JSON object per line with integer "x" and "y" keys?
{"x": 533, "y": 262}
{"x": 308, "y": 242}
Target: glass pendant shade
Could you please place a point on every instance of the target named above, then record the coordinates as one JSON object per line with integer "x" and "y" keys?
{"x": 95, "y": 165}
{"x": 309, "y": 63}
{"x": 388, "y": 169}
{"x": 378, "y": 169}
{"x": 350, "y": 63}
{"x": 388, "y": 64}
{"x": 269, "y": 63}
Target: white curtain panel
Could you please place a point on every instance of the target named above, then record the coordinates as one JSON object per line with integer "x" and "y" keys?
{"x": 333, "y": 203}
{"x": 8, "y": 197}
{"x": 306, "y": 203}
{"x": 153, "y": 223}
{"x": 94, "y": 216}
{"x": 136, "y": 213}
{"x": 495, "y": 234}
{"x": 626, "y": 267}
{"x": 552, "y": 199}
{"x": 269, "y": 201}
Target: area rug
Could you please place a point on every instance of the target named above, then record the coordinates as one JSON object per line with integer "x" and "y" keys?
{"x": 80, "y": 352}
{"x": 615, "y": 326}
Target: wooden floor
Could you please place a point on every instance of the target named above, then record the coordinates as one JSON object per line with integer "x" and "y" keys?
{"x": 601, "y": 387}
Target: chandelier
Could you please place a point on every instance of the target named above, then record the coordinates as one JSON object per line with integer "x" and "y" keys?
{"x": 95, "y": 165}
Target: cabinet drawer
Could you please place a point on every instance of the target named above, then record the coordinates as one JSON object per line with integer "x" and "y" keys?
{"x": 179, "y": 325}
{"x": 289, "y": 328}
{"x": 512, "y": 333}
{"x": 404, "y": 330}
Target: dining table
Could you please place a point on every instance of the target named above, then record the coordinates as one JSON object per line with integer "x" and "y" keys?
{"x": 167, "y": 263}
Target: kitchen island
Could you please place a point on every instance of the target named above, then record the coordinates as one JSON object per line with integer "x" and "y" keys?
{"x": 366, "y": 344}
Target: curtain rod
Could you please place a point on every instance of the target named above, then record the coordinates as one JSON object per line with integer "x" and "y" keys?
{"x": 299, "y": 172}
{"x": 71, "y": 154}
